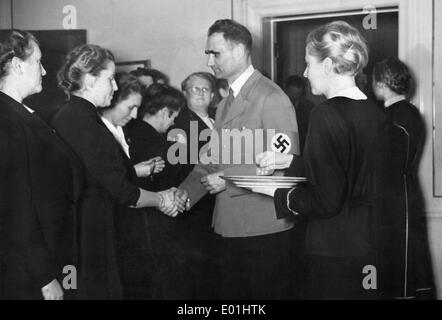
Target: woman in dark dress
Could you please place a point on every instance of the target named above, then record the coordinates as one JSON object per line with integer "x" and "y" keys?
{"x": 413, "y": 273}
{"x": 343, "y": 161}
{"x": 134, "y": 252}
{"x": 40, "y": 182}
{"x": 87, "y": 77}
{"x": 171, "y": 239}
{"x": 194, "y": 232}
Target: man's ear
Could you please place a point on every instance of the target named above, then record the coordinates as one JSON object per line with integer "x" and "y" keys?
{"x": 239, "y": 51}
{"x": 328, "y": 65}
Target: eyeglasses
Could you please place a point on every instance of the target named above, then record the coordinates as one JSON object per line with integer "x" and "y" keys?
{"x": 198, "y": 90}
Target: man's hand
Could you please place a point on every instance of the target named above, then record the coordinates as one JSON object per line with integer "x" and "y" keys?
{"x": 182, "y": 195}
{"x": 173, "y": 201}
{"x": 52, "y": 291}
{"x": 269, "y": 161}
{"x": 213, "y": 183}
{"x": 167, "y": 203}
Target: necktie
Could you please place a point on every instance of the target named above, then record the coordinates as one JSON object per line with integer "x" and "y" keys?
{"x": 228, "y": 103}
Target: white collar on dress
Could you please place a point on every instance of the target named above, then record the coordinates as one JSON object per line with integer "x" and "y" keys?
{"x": 118, "y": 133}
{"x": 353, "y": 93}
{"x": 393, "y": 100}
{"x": 27, "y": 108}
{"x": 242, "y": 79}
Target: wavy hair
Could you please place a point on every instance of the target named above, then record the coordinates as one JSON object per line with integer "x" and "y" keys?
{"x": 15, "y": 43}
{"x": 84, "y": 59}
{"x": 394, "y": 73}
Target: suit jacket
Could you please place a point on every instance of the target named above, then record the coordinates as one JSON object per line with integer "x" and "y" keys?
{"x": 260, "y": 104}
{"x": 107, "y": 186}
{"x": 41, "y": 180}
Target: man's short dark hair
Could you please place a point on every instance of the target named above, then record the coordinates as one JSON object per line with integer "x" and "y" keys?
{"x": 232, "y": 31}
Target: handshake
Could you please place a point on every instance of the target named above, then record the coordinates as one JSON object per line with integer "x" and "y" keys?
{"x": 173, "y": 201}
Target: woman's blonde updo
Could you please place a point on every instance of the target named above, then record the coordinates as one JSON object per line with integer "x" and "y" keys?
{"x": 84, "y": 59}
{"x": 340, "y": 42}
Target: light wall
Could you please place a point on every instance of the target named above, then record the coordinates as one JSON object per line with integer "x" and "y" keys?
{"x": 5, "y": 14}
{"x": 171, "y": 33}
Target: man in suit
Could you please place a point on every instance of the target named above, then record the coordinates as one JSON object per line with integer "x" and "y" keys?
{"x": 255, "y": 247}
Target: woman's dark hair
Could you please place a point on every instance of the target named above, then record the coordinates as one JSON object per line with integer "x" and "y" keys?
{"x": 394, "y": 73}
{"x": 127, "y": 85}
{"x": 15, "y": 43}
{"x": 158, "y": 96}
{"x": 84, "y": 59}
{"x": 155, "y": 74}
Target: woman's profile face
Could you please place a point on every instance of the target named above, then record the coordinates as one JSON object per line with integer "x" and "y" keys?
{"x": 314, "y": 72}
{"x": 125, "y": 110}
{"x": 33, "y": 71}
{"x": 105, "y": 86}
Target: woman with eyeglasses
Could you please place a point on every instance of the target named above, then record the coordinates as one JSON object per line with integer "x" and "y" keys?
{"x": 87, "y": 78}
{"x": 193, "y": 229}
{"x": 199, "y": 91}
{"x": 40, "y": 182}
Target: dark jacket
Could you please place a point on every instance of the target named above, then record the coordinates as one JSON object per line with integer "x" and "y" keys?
{"x": 344, "y": 138}
{"x": 40, "y": 183}
{"x": 107, "y": 186}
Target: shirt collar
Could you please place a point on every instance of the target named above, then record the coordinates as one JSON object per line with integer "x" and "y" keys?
{"x": 352, "y": 93}
{"x": 393, "y": 100}
{"x": 242, "y": 79}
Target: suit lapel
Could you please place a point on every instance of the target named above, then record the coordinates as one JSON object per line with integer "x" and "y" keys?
{"x": 241, "y": 103}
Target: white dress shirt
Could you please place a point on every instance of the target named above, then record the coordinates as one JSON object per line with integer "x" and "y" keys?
{"x": 242, "y": 79}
